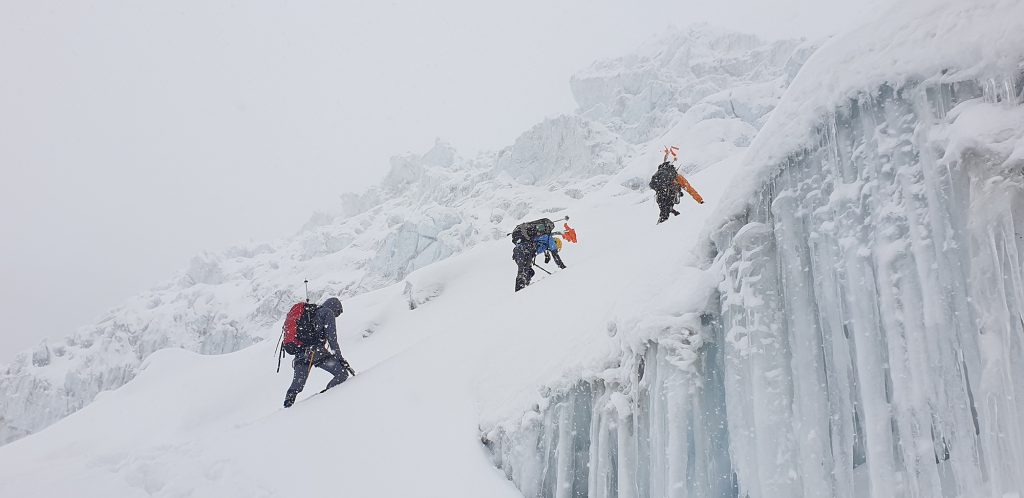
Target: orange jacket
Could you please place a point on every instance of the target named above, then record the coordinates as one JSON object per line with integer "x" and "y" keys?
{"x": 689, "y": 188}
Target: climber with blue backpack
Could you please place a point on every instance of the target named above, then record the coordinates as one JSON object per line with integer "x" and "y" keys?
{"x": 532, "y": 239}
{"x": 548, "y": 245}
{"x": 308, "y": 331}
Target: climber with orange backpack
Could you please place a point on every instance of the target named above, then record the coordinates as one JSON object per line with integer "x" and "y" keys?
{"x": 307, "y": 330}
{"x": 668, "y": 186}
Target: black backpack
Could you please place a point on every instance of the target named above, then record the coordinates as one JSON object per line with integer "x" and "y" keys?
{"x": 664, "y": 179}
{"x": 532, "y": 229}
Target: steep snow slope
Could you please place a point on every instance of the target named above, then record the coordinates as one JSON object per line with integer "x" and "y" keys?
{"x": 453, "y": 347}
{"x": 428, "y": 208}
{"x": 864, "y": 334}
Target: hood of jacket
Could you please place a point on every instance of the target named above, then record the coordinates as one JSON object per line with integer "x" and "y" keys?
{"x": 333, "y": 304}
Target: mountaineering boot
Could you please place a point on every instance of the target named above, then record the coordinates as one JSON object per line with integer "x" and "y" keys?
{"x": 289, "y": 399}
{"x": 675, "y": 213}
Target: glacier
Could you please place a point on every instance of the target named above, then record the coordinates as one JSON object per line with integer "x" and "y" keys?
{"x": 865, "y": 332}
{"x": 843, "y": 317}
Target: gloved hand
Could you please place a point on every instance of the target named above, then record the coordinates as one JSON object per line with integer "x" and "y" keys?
{"x": 344, "y": 364}
{"x": 547, "y": 257}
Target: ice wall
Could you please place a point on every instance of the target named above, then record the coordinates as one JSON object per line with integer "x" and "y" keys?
{"x": 873, "y": 297}
{"x": 867, "y": 334}
{"x": 652, "y": 424}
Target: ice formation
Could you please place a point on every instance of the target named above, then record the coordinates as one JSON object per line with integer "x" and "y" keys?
{"x": 866, "y": 333}
{"x": 699, "y": 69}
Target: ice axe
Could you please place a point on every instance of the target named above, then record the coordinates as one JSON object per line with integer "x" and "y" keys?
{"x": 541, "y": 268}
{"x": 673, "y": 151}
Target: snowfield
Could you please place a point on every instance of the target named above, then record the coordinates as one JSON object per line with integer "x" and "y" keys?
{"x": 408, "y": 424}
{"x": 843, "y": 317}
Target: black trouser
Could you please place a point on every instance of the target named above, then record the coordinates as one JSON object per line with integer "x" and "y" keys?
{"x": 525, "y": 274}
{"x": 666, "y": 203}
{"x": 321, "y": 359}
{"x": 524, "y": 254}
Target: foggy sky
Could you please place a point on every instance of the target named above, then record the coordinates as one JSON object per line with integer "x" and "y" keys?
{"x": 134, "y": 135}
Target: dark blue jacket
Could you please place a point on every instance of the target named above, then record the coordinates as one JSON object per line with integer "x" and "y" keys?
{"x": 324, "y": 321}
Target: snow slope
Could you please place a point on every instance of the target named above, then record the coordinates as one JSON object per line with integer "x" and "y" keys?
{"x": 426, "y": 271}
{"x": 408, "y": 424}
{"x": 429, "y": 207}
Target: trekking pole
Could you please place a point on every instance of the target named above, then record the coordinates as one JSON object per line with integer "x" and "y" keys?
{"x": 565, "y": 218}
{"x": 277, "y": 349}
{"x": 280, "y": 338}
{"x": 541, "y": 268}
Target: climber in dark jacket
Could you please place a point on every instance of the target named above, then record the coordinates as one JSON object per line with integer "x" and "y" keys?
{"x": 668, "y": 186}
{"x": 316, "y": 355}
{"x": 523, "y": 255}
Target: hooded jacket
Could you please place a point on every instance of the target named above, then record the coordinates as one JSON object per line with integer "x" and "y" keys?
{"x": 324, "y": 321}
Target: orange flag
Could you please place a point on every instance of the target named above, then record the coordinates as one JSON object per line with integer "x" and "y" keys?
{"x": 570, "y": 233}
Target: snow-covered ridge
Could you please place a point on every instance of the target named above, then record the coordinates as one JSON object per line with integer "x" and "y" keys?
{"x": 642, "y": 94}
{"x": 864, "y": 333}
{"x": 427, "y": 208}
{"x": 917, "y": 42}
